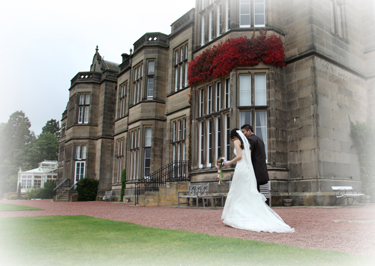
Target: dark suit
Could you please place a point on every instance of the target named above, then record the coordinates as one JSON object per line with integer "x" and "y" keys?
{"x": 258, "y": 158}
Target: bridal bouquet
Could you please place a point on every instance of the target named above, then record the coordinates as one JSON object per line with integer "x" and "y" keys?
{"x": 219, "y": 166}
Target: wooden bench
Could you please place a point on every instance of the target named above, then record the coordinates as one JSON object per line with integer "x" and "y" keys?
{"x": 212, "y": 197}
{"x": 347, "y": 192}
{"x": 195, "y": 191}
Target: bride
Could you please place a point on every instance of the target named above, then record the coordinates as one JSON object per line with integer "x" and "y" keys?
{"x": 245, "y": 208}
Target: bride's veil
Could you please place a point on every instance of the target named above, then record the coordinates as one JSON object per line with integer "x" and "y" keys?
{"x": 247, "y": 148}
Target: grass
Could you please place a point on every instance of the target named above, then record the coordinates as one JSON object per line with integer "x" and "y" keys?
{"x": 83, "y": 240}
{"x": 12, "y": 207}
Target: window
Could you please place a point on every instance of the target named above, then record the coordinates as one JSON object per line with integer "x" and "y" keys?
{"x": 150, "y": 78}
{"x": 337, "y": 19}
{"x": 209, "y": 100}
{"x": 255, "y": 113}
{"x": 211, "y": 25}
{"x": 178, "y": 139}
{"x": 218, "y": 138}
{"x": 28, "y": 182}
{"x": 134, "y": 153}
{"x": 203, "y": 36}
{"x": 80, "y": 152}
{"x": 227, "y": 15}
{"x": 137, "y": 84}
{"x": 209, "y": 143}
{"x": 122, "y": 100}
{"x": 245, "y": 16}
{"x": 147, "y": 151}
{"x": 218, "y": 96}
{"x": 200, "y": 144}
{"x": 83, "y": 108}
{"x": 79, "y": 171}
{"x": 201, "y": 104}
{"x": 227, "y": 93}
{"x": 260, "y": 89}
{"x": 186, "y": 66}
{"x": 245, "y": 90}
{"x": 227, "y": 136}
{"x": 260, "y": 125}
{"x": 259, "y": 81}
{"x": 119, "y": 160}
{"x": 37, "y": 183}
{"x": 258, "y": 13}
{"x": 218, "y": 21}
{"x": 181, "y": 67}
{"x": 80, "y": 157}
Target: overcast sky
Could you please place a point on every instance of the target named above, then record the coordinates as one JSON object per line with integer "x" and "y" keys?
{"x": 44, "y": 43}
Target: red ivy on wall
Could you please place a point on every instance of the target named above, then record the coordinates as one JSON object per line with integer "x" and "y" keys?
{"x": 220, "y": 60}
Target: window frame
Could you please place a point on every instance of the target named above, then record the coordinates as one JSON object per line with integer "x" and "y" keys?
{"x": 180, "y": 67}
{"x": 83, "y": 108}
{"x": 122, "y": 99}
{"x": 119, "y": 158}
{"x": 151, "y": 76}
{"x": 147, "y": 149}
{"x": 137, "y": 83}
{"x": 254, "y": 109}
{"x": 134, "y": 153}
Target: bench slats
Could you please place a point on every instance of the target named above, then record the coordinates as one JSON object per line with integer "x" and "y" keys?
{"x": 346, "y": 192}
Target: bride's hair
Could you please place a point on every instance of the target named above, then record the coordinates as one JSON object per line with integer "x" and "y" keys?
{"x": 233, "y": 134}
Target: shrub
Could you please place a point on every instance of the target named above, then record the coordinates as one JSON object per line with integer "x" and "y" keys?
{"x": 47, "y": 191}
{"x": 87, "y": 189}
{"x": 32, "y": 194}
{"x": 123, "y": 184}
{"x": 12, "y": 197}
{"x": 42, "y": 193}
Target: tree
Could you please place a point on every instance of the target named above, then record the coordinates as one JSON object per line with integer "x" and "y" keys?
{"x": 15, "y": 141}
{"x": 46, "y": 147}
{"x": 52, "y": 126}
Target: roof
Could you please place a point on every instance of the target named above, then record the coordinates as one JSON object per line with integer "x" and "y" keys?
{"x": 101, "y": 65}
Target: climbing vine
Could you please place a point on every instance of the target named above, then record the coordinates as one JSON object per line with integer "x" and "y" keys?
{"x": 219, "y": 60}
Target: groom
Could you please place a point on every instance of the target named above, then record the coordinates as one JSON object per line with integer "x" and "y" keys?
{"x": 258, "y": 155}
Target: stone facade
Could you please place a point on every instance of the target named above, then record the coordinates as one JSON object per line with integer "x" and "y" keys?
{"x": 139, "y": 117}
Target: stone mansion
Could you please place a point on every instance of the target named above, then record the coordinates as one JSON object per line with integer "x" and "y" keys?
{"x": 143, "y": 115}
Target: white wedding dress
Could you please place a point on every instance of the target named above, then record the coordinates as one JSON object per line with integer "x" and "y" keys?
{"x": 245, "y": 208}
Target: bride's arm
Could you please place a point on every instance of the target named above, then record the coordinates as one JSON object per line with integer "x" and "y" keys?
{"x": 237, "y": 145}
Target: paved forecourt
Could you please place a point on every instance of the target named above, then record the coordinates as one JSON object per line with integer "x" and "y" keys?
{"x": 347, "y": 229}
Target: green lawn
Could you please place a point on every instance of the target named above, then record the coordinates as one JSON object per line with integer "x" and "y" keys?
{"x": 12, "y": 207}
{"x": 83, "y": 240}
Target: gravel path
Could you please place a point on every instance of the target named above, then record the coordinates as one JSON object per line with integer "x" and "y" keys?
{"x": 350, "y": 229}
